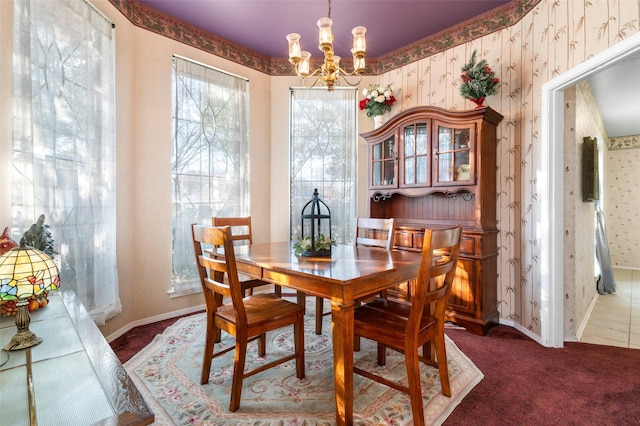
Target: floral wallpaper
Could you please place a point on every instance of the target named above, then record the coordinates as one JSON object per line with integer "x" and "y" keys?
{"x": 622, "y": 206}
{"x": 552, "y": 38}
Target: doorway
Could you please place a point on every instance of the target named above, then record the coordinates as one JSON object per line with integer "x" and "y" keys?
{"x": 551, "y": 177}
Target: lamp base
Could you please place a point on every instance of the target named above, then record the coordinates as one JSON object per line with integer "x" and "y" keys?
{"x": 22, "y": 340}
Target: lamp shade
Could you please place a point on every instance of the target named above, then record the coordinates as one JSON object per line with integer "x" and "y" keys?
{"x": 25, "y": 271}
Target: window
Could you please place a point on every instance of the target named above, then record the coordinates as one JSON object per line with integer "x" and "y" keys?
{"x": 210, "y": 157}
{"x": 64, "y": 142}
{"x": 323, "y": 139}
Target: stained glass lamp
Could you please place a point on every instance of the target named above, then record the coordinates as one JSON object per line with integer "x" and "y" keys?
{"x": 25, "y": 272}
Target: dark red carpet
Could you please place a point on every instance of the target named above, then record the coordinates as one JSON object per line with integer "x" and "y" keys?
{"x": 528, "y": 384}
{"x": 524, "y": 384}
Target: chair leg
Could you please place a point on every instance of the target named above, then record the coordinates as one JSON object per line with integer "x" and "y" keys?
{"x": 262, "y": 345}
{"x": 319, "y": 313}
{"x": 298, "y": 335}
{"x": 415, "y": 389}
{"x": 218, "y": 299}
{"x": 207, "y": 355}
{"x": 356, "y": 339}
{"x": 301, "y": 300}
{"x": 427, "y": 351}
{"x": 278, "y": 290}
{"x": 238, "y": 373}
{"x": 382, "y": 354}
{"x": 441, "y": 354}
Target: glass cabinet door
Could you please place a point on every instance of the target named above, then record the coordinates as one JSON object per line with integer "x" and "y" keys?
{"x": 452, "y": 153}
{"x": 383, "y": 163}
{"x": 415, "y": 165}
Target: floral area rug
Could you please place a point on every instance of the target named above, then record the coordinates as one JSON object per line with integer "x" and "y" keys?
{"x": 167, "y": 373}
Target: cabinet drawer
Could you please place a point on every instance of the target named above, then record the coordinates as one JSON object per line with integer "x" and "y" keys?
{"x": 467, "y": 245}
{"x": 418, "y": 239}
{"x": 404, "y": 239}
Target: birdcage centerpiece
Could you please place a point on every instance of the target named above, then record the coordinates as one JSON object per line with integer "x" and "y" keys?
{"x": 315, "y": 239}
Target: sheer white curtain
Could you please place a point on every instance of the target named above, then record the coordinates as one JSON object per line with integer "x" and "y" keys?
{"x": 210, "y": 157}
{"x": 324, "y": 138}
{"x": 64, "y": 142}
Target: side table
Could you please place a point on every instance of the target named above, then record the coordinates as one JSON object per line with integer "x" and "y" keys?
{"x": 76, "y": 377}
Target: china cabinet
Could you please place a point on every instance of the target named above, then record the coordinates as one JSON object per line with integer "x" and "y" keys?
{"x": 429, "y": 167}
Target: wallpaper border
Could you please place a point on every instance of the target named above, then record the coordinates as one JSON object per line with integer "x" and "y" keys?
{"x": 148, "y": 18}
{"x": 624, "y": 142}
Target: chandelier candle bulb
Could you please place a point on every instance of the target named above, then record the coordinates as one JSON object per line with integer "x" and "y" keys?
{"x": 325, "y": 37}
{"x": 303, "y": 68}
{"x": 294, "y": 47}
{"x": 359, "y": 42}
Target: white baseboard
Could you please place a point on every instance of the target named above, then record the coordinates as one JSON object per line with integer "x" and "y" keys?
{"x": 153, "y": 319}
{"x": 521, "y": 329}
{"x": 585, "y": 319}
{"x": 632, "y": 268}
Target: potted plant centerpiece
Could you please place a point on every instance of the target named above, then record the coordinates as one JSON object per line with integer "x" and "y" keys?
{"x": 320, "y": 246}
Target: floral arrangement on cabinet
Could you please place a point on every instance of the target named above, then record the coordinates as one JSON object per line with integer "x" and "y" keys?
{"x": 377, "y": 100}
{"x": 478, "y": 80}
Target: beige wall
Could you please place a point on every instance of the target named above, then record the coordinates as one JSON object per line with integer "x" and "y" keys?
{"x": 143, "y": 79}
{"x": 554, "y": 37}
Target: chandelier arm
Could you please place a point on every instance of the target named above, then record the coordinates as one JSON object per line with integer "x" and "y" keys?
{"x": 316, "y": 80}
{"x": 302, "y": 77}
{"x": 344, "y": 77}
{"x": 343, "y": 72}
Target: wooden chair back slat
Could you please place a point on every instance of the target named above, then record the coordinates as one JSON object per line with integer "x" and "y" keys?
{"x": 375, "y": 232}
{"x": 213, "y": 271}
{"x": 436, "y": 270}
{"x": 241, "y": 227}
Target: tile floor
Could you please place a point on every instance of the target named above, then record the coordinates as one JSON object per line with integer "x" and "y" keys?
{"x": 615, "y": 319}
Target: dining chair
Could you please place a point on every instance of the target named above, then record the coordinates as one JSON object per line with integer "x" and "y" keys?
{"x": 246, "y": 318}
{"x": 242, "y": 233}
{"x": 407, "y": 327}
{"x": 370, "y": 232}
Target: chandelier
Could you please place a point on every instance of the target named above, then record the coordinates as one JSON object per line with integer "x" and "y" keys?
{"x": 330, "y": 72}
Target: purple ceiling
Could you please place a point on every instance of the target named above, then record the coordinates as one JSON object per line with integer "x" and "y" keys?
{"x": 263, "y": 25}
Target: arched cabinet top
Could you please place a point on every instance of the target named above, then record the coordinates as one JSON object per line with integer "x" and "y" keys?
{"x": 418, "y": 113}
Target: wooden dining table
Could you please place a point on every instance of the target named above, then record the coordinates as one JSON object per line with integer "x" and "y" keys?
{"x": 351, "y": 273}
